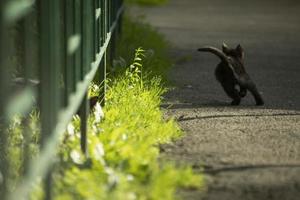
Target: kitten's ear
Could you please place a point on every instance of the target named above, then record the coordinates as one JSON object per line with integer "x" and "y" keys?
{"x": 239, "y": 49}
{"x": 225, "y": 48}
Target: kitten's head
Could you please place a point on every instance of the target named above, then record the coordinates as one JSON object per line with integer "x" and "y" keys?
{"x": 238, "y": 52}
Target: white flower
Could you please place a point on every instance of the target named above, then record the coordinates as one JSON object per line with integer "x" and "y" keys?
{"x": 130, "y": 177}
{"x": 124, "y": 137}
{"x": 76, "y": 157}
{"x": 99, "y": 151}
{"x": 99, "y": 114}
{"x": 131, "y": 196}
{"x": 70, "y": 129}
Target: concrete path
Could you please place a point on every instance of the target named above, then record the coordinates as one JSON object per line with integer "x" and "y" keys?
{"x": 247, "y": 152}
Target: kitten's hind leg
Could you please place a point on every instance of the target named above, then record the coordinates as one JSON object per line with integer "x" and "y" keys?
{"x": 252, "y": 88}
{"x": 232, "y": 92}
{"x": 243, "y": 91}
{"x": 258, "y": 98}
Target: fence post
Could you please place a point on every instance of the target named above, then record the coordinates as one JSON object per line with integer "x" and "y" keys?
{"x": 84, "y": 110}
{"x": 27, "y": 63}
{"x": 3, "y": 101}
{"x": 78, "y": 31}
{"x": 69, "y": 30}
{"x": 50, "y": 65}
{"x": 102, "y": 68}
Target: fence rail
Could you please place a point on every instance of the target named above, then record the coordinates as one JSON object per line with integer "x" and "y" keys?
{"x": 52, "y": 49}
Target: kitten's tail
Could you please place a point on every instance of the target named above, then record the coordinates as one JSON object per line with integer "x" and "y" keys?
{"x": 215, "y": 51}
{"x": 221, "y": 55}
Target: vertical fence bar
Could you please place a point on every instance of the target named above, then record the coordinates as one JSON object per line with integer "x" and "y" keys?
{"x": 97, "y": 32}
{"x": 102, "y": 67}
{"x": 83, "y": 35}
{"x": 78, "y": 32}
{"x": 28, "y": 63}
{"x": 93, "y": 34}
{"x": 84, "y": 109}
{"x": 97, "y": 26}
{"x": 87, "y": 58}
{"x": 102, "y": 21}
{"x": 50, "y": 65}
{"x": 4, "y": 44}
{"x": 120, "y": 22}
{"x": 87, "y": 32}
{"x": 69, "y": 56}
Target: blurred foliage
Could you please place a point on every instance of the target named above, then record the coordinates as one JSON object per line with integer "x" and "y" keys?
{"x": 135, "y": 34}
{"x": 147, "y": 2}
{"x": 16, "y": 144}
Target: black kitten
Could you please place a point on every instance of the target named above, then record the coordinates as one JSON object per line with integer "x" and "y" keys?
{"x": 230, "y": 72}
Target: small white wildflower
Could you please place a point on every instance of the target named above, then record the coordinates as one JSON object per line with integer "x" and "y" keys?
{"x": 130, "y": 177}
{"x": 102, "y": 161}
{"x": 70, "y": 129}
{"x": 99, "y": 114}
{"x": 124, "y": 137}
{"x": 76, "y": 157}
{"x": 112, "y": 143}
{"x": 100, "y": 130}
{"x": 95, "y": 129}
{"x": 113, "y": 179}
{"x": 99, "y": 151}
{"x": 77, "y": 134}
{"x": 95, "y": 87}
{"x": 131, "y": 196}
{"x": 109, "y": 170}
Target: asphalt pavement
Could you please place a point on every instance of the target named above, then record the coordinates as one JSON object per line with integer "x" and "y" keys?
{"x": 246, "y": 152}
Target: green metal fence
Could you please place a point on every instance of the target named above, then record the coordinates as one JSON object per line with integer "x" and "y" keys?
{"x": 52, "y": 49}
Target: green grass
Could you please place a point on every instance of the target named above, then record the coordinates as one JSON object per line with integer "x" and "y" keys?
{"x": 16, "y": 140}
{"x": 123, "y": 148}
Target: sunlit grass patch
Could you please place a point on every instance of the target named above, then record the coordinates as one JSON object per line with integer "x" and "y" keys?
{"x": 123, "y": 148}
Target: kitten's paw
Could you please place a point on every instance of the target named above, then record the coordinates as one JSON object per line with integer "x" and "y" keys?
{"x": 236, "y": 102}
{"x": 243, "y": 93}
{"x": 260, "y": 103}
